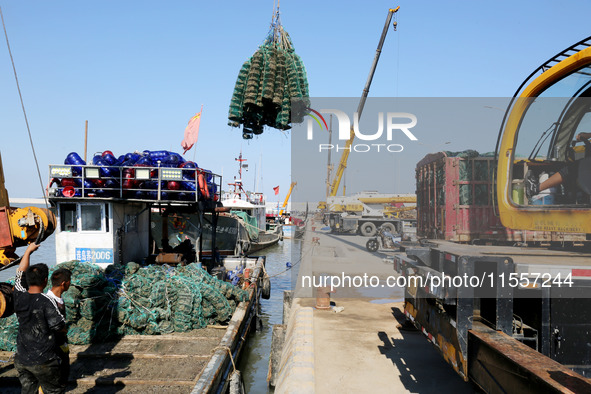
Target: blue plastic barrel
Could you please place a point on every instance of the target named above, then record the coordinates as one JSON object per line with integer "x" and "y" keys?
{"x": 188, "y": 183}
{"x": 208, "y": 175}
{"x": 144, "y": 161}
{"x": 158, "y": 154}
{"x": 111, "y": 184}
{"x": 212, "y": 187}
{"x": 110, "y": 159}
{"x": 74, "y": 159}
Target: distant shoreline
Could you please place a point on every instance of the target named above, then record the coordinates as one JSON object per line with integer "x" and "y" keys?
{"x": 34, "y": 201}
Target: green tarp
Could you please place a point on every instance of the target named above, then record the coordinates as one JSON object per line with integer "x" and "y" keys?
{"x": 250, "y": 223}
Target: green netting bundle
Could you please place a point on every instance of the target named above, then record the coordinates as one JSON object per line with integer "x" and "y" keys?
{"x": 137, "y": 300}
{"x": 272, "y": 86}
{"x": 8, "y": 333}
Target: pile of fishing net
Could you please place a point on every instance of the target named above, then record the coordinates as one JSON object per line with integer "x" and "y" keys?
{"x": 272, "y": 86}
{"x": 137, "y": 300}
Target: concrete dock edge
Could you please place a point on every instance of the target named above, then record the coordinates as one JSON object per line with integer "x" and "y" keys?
{"x": 296, "y": 368}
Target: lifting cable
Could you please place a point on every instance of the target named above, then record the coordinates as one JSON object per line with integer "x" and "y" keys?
{"x": 24, "y": 112}
{"x": 395, "y": 26}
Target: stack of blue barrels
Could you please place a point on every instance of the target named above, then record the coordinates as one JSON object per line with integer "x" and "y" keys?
{"x": 117, "y": 177}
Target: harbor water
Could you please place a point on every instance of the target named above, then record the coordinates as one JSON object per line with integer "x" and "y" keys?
{"x": 254, "y": 362}
{"x": 45, "y": 254}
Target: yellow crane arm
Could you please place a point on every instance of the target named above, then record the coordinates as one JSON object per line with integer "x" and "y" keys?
{"x": 287, "y": 197}
{"x": 343, "y": 162}
{"x": 342, "y": 165}
{"x": 388, "y": 200}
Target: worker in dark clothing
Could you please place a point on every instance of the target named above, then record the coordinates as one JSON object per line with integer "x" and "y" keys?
{"x": 60, "y": 283}
{"x": 37, "y": 361}
{"x": 568, "y": 174}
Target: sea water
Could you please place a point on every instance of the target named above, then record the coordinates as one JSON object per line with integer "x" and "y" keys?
{"x": 45, "y": 254}
{"x": 254, "y": 361}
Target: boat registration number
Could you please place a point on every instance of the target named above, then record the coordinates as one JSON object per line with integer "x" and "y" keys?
{"x": 95, "y": 255}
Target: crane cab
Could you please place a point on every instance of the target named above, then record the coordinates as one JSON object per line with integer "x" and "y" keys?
{"x": 537, "y": 141}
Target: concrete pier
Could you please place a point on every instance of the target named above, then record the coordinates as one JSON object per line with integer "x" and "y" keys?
{"x": 357, "y": 345}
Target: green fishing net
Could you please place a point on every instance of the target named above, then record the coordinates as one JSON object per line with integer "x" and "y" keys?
{"x": 272, "y": 86}
{"x": 137, "y": 300}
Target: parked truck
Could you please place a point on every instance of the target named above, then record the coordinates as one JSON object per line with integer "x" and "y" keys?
{"x": 366, "y": 212}
{"x": 513, "y": 319}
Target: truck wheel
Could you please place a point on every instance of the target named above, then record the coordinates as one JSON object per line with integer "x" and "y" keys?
{"x": 389, "y": 227}
{"x": 372, "y": 245}
{"x": 368, "y": 229}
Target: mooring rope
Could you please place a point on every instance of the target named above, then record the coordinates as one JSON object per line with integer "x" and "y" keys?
{"x": 229, "y": 352}
{"x": 24, "y": 111}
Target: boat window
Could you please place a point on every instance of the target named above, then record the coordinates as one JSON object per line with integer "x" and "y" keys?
{"x": 68, "y": 217}
{"x": 91, "y": 217}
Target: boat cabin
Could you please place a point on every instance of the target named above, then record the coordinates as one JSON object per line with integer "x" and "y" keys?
{"x": 120, "y": 223}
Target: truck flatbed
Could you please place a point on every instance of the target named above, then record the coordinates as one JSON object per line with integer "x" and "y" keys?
{"x": 526, "y": 259}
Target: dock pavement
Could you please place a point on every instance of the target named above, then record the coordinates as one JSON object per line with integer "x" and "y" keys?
{"x": 355, "y": 346}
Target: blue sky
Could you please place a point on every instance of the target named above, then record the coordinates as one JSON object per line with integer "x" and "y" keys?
{"x": 138, "y": 70}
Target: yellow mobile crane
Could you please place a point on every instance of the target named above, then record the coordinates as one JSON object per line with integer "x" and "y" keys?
{"x": 364, "y": 203}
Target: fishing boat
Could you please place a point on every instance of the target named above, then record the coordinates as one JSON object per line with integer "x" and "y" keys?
{"x": 110, "y": 215}
{"x": 245, "y": 213}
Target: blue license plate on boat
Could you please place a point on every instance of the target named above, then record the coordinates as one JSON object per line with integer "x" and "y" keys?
{"x": 95, "y": 255}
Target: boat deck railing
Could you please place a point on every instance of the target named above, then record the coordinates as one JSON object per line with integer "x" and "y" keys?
{"x": 137, "y": 183}
{"x": 253, "y": 198}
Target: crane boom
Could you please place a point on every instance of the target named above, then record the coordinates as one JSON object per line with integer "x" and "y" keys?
{"x": 287, "y": 197}
{"x": 345, "y": 156}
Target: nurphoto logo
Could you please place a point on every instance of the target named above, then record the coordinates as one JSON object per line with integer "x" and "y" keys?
{"x": 397, "y": 123}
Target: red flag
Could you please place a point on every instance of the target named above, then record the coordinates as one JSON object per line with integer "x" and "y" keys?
{"x": 276, "y": 190}
{"x": 191, "y": 132}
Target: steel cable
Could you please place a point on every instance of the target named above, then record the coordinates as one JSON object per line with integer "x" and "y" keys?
{"x": 24, "y": 111}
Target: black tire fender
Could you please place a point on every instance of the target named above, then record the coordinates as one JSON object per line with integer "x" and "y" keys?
{"x": 266, "y": 287}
